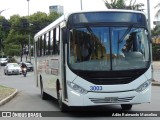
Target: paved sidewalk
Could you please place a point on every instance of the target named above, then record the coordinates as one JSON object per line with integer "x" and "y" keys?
{"x": 156, "y": 73}
{"x": 156, "y": 70}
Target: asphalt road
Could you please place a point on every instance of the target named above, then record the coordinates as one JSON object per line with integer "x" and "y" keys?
{"x": 28, "y": 99}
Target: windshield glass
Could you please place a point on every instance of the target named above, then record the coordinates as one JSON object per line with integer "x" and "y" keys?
{"x": 108, "y": 48}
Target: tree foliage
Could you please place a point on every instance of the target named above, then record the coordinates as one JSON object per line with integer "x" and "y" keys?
{"x": 121, "y": 4}
{"x": 115, "y": 4}
{"x": 15, "y": 32}
{"x": 155, "y": 32}
{"x": 156, "y": 51}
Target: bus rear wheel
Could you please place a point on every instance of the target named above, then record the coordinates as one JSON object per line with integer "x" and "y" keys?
{"x": 44, "y": 95}
{"x": 126, "y": 106}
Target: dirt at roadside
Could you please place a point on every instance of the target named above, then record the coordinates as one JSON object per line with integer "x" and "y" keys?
{"x": 5, "y": 92}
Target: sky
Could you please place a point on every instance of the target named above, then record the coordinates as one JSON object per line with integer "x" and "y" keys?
{"x": 21, "y": 6}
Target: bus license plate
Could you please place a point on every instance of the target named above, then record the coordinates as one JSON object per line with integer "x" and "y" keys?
{"x": 111, "y": 99}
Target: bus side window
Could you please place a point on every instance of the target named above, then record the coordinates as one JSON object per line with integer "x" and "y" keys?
{"x": 57, "y": 45}
{"x": 49, "y": 43}
{"x": 56, "y": 41}
{"x": 44, "y": 45}
{"x": 40, "y": 47}
{"x": 52, "y": 45}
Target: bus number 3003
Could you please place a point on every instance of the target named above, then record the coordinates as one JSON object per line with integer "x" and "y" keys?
{"x": 95, "y": 88}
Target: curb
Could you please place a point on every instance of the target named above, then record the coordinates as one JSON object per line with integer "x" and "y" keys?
{"x": 7, "y": 99}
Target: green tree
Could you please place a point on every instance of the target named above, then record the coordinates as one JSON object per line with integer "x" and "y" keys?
{"x": 12, "y": 49}
{"x": 16, "y": 37}
{"x": 155, "y": 31}
{"x": 40, "y": 20}
{"x": 53, "y": 16}
{"x": 121, "y": 4}
{"x": 156, "y": 52}
{"x": 4, "y": 30}
{"x": 115, "y": 4}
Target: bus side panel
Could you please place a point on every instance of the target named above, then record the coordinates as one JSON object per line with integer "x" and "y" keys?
{"x": 47, "y": 70}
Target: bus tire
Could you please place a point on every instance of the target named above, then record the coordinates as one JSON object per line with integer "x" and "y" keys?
{"x": 62, "y": 106}
{"x": 44, "y": 95}
{"x": 126, "y": 106}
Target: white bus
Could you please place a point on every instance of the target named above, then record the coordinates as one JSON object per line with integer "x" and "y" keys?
{"x": 92, "y": 58}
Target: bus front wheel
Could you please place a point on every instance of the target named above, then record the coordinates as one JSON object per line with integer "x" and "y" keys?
{"x": 126, "y": 106}
{"x": 62, "y": 106}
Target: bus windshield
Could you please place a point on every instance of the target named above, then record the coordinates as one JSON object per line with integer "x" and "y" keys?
{"x": 105, "y": 48}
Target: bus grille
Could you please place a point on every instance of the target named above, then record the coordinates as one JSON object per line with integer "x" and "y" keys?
{"x": 106, "y": 100}
{"x": 111, "y": 81}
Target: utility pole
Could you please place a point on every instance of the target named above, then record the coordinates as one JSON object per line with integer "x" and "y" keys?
{"x": 29, "y": 37}
{"x": 149, "y": 16}
{"x": 149, "y": 28}
{"x": 81, "y": 5}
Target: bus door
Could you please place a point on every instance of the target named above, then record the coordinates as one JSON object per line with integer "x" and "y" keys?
{"x": 64, "y": 57}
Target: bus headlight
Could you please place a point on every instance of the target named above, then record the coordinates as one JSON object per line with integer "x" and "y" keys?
{"x": 143, "y": 86}
{"x": 76, "y": 88}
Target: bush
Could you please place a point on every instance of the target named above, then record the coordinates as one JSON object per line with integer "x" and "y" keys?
{"x": 156, "y": 52}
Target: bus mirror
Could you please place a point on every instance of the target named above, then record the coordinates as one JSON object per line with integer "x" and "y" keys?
{"x": 65, "y": 35}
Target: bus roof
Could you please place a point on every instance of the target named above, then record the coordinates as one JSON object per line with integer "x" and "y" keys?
{"x": 107, "y": 10}
{"x": 65, "y": 16}
{"x": 49, "y": 27}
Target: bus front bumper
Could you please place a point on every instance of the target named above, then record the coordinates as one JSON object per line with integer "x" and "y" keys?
{"x": 104, "y": 98}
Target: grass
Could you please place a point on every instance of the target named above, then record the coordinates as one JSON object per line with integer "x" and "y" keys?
{"x": 5, "y": 92}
